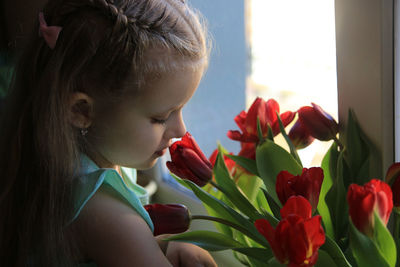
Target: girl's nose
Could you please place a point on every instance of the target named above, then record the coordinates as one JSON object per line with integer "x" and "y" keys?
{"x": 177, "y": 127}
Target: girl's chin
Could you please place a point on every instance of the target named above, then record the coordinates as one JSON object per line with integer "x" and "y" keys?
{"x": 147, "y": 165}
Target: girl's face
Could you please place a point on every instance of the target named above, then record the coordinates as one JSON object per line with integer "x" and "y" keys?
{"x": 142, "y": 128}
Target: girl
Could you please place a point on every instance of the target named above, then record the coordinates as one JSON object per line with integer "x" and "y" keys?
{"x": 101, "y": 86}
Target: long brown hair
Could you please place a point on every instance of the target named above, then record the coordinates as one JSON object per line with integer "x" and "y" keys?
{"x": 100, "y": 45}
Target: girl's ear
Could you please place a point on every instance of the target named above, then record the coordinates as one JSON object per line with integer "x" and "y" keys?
{"x": 81, "y": 110}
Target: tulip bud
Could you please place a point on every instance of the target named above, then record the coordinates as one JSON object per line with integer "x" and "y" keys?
{"x": 297, "y": 237}
{"x": 300, "y": 136}
{"x": 374, "y": 196}
{"x": 169, "y": 218}
{"x": 393, "y": 178}
{"x": 308, "y": 185}
{"x": 320, "y": 124}
{"x": 188, "y": 161}
{"x": 396, "y": 193}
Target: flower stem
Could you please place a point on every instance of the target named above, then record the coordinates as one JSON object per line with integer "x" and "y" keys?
{"x": 232, "y": 225}
{"x": 216, "y": 185}
{"x": 340, "y": 144}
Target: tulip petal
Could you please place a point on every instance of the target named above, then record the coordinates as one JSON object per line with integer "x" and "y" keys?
{"x": 191, "y": 143}
{"x": 282, "y": 186}
{"x": 241, "y": 120}
{"x": 235, "y": 135}
{"x": 396, "y": 192}
{"x": 384, "y": 198}
{"x": 297, "y": 205}
{"x": 392, "y": 173}
{"x": 271, "y": 109}
{"x": 194, "y": 163}
{"x": 320, "y": 124}
{"x": 184, "y": 173}
{"x": 300, "y": 136}
{"x": 361, "y": 200}
{"x": 168, "y": 218}
{"x": 309, "y": 185}
{"x": 256, "y": 110}
{"x": 286, "y": 118}
{"x": 248, "y": 150}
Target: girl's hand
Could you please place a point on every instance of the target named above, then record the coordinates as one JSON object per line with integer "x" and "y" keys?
{"x": 188, "y": 255}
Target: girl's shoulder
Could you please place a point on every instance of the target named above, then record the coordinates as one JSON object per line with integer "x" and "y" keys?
{"x": 123, "y": 188}
{"x": 112, "y": 227}
{"x": 111, "y": 233}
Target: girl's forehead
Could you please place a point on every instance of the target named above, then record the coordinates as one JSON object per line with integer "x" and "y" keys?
{"x": 169, "y": 90}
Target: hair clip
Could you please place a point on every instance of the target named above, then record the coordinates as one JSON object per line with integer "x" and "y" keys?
{"x": 49, "y": 33}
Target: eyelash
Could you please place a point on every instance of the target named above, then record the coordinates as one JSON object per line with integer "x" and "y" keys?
{"x": 158, "y": 121}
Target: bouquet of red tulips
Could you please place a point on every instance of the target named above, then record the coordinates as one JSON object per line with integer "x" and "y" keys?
{"x": 271, "y": 211}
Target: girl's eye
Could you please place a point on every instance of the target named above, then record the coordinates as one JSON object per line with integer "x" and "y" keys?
{"x": 158, "y": 121}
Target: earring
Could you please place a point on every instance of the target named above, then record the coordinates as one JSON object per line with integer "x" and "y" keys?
{"x": 84, "y": 131}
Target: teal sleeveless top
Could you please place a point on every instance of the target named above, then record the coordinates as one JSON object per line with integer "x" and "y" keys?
{"x": 125, "y": 186}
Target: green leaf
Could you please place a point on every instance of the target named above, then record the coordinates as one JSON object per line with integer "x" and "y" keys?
{"x": 213, "y": 241}
{"x": 363, "y": 173}
{"x": 324, "y": 260}
{"x": 384, "y": 241}
{"x": 249, "y": 184}
{"x": 293, "y": 150}
{"x": 275, "y": 263}
{"x": 357, "y": 150}
{"x": 229, "y": 188}
{"x": 249, "y": 243}
{"x": 323, "y": 208}
{"x": 271, "y": 219}
{"x": 272, "y": 159}
{"x": 260, "y": 255}
{"x": 220, "y": 227}
{"x": 336, "y": 200}
{"x": 335, "y": 252}
{"x": 248, "y": 164}
{"x": 262, "y": 203}
{"x": 364, "y": 250}
{"x": 275, "y": 207}
{"x": 224, "y": 211}
{"x": 270, "y": 135}
{"x": 259, "y": 131}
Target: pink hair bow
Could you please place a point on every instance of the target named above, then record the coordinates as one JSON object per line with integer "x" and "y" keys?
{"x": 49, "y": 33}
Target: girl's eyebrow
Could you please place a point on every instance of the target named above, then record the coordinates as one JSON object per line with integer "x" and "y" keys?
{"x": 171, "y": 109}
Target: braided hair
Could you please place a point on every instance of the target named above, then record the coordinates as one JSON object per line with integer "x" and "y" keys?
{"x": 103, "y": 45}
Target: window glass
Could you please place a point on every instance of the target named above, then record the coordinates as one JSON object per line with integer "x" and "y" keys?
{"x": 294, "y": 58}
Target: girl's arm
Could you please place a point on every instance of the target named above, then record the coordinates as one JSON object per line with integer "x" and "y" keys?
{"x": 112, "y": 234}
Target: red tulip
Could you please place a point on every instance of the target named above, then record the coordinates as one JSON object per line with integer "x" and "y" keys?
{"x": 248, "y": 150}
{"x": 297, "y": 237}
{"x": 320, "y": 124}
{"x": 230, "y": 163}
{"x": 396, "y": 193}
{"x": 300, "y": 136}
{"x": 267, "y": 114}
{"x": 393, "y": 177}
{"x": 168, "y": 218}
{"x": 188, "y": 161}
{"x": 308, "y": 185}
{"x": 374, "y": 196}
